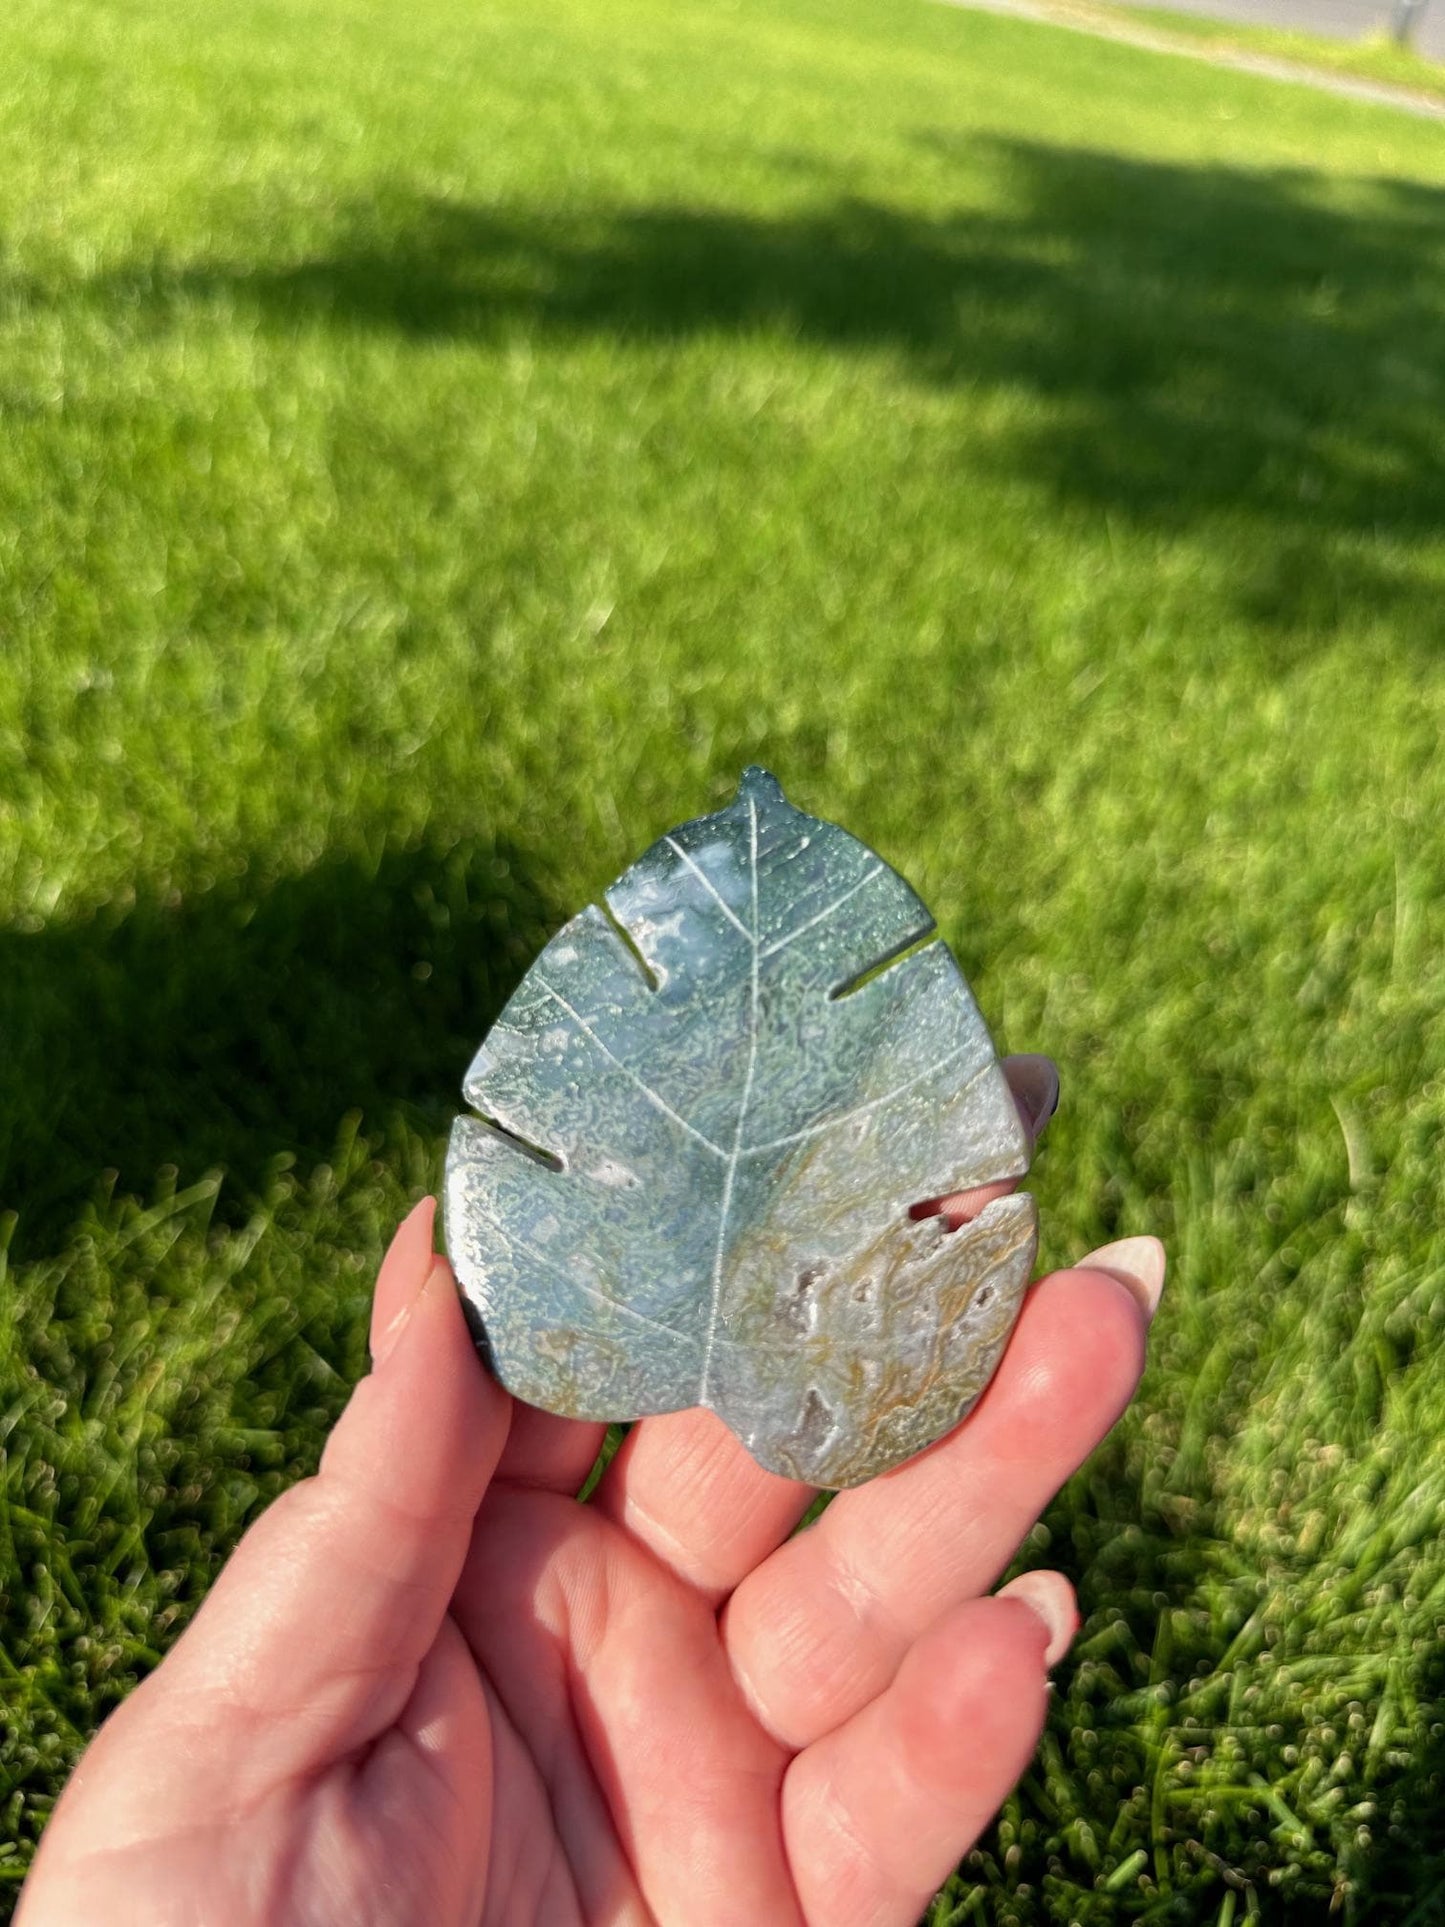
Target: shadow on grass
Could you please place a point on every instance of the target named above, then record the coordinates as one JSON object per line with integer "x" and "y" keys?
{"x": 1407, "y": 1864}
{"x": 1203, "y": 340}
{"x": 244, "y": 1025}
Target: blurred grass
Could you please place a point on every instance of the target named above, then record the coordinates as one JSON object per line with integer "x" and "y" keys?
{"x": 439, "y": 449}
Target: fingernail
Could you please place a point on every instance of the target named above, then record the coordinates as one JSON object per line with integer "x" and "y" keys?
{"x": 1034, "y": 1080}
{"x": 1137, "y": 1263}
{"x": 1051, "y": 1597}
{"x": 387, "y": 1343}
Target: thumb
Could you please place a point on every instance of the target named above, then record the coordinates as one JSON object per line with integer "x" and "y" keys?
{"x": 321, "y": 1618}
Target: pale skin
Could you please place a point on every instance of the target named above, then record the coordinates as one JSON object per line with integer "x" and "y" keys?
{"x": 430, "y": 1689}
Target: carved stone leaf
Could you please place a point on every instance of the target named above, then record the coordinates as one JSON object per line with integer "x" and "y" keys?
{"x": 703, "y": 1117}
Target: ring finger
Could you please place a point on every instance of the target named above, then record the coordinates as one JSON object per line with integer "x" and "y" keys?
{"x": 819, "y": 1629}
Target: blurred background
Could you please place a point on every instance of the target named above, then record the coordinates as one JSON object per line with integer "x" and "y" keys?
{"x": 1409, "y": 23}
{"x": 439, "y": 447}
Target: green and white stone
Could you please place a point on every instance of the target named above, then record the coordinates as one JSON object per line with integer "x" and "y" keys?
{"x": 702, "y": 1121}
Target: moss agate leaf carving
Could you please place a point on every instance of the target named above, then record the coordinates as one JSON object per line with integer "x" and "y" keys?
{"x": 702, "y": 1120}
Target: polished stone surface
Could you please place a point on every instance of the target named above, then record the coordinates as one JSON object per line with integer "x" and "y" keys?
{"x": 703, "y": 1117}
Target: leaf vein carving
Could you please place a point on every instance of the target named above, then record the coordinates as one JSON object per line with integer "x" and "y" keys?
{"x": 707, "y": 883}
{"x": 659, "y": 1103}
{"x": 732, "y": 1163}
{"x": 846, "y": 1117}
{"x": 792, "y": 936}
{"x": 575, "y": 1283}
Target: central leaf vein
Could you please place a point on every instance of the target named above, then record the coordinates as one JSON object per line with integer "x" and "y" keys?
{"x": 730, "y": 1173}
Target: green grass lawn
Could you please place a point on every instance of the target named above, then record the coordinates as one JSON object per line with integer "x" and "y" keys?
{"x": 439, "y": 446}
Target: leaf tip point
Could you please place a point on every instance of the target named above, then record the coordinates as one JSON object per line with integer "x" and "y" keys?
{"x": 761, "y": 785}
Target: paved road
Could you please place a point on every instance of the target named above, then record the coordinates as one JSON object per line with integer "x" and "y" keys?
{"x": 1059, "y": 13}
{"x": 1343, "y": 19}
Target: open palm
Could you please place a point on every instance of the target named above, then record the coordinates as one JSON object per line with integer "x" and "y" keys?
{"x": 431, "y": 1688}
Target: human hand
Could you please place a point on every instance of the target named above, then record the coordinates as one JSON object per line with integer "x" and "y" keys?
{"x": 430, "y": 1688}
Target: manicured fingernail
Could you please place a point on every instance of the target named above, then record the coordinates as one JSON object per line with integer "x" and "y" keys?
{"x": 1051, "y": 1597}
{"x": 1034, "y": 1080}
{"x": 409, "y": 1252}
{"x": 386, "y": 1343}
{"x": 391, "y": 1336}
{"x": 1137, "y": 1263}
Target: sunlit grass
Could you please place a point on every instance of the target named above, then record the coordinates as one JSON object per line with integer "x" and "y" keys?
{"x": 438, "y": 448}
